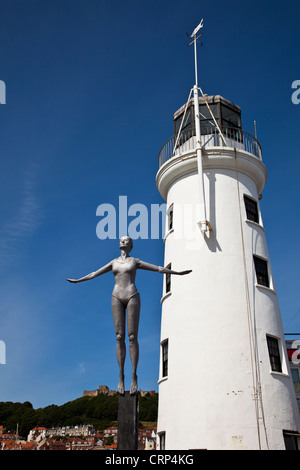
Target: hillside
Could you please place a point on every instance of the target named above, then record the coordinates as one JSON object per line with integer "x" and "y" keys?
{"x": 99, "y": 411}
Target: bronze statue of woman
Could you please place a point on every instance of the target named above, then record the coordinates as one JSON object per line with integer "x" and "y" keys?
{"x": 125, "y": 296}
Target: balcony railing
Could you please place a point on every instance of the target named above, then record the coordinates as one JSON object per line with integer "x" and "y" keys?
{"x": 234, "y": 137}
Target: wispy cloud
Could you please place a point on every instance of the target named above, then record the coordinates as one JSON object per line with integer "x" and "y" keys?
{"x": 23, "y": 222}
{"x": 81, "y": 367}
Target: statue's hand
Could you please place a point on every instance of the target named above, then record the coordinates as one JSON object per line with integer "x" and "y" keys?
{"x": 72, "y": 280}
{"x": 185, "y": 272}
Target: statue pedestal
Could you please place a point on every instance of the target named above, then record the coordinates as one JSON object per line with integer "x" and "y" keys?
{"x": 128, "y": 421}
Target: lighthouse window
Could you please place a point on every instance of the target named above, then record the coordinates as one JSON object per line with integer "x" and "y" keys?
{"x": 170, "y": 218}
{"x": 251, "y": 209}
{"x": 290, "y": 440}
{"x": 261, "y": 268}
{"x": 274, "y": 354}
{"x": 168, "y": 280}
{"x": 165, "y": 355}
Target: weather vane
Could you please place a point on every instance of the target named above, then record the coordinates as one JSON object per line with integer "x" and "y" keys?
{"x": 194, "y": 41}
{"x": 194, "y": 33}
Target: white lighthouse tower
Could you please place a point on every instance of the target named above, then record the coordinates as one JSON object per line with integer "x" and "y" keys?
{"x": 224, "y": 380}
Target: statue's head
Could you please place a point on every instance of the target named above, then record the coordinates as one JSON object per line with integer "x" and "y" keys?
{"x": 126, "y": 243}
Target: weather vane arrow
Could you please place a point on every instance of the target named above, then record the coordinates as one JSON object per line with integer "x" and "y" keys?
{"x": 194, "y": 33}
{"x": 200, "y": 25}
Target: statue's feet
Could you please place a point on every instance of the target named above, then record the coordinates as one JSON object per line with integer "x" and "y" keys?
{"x": 121, "y": 387}
{"x": 133, "y": 387}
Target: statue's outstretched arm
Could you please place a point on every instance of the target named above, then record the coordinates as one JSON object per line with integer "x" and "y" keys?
{"x": 152, "y": 267}
{"x": 103, "y": 270}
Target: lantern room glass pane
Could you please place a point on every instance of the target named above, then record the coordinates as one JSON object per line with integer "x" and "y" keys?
{"x": 205, "y": 114}
{"x": 230, "y": 118}
{"x": 187, "y": 129}
{"x": 207, "y": 124}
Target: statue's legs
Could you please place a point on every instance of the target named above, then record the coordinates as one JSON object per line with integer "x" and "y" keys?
{"x": 133, "y": 317}
{"x": 118, "y": 312}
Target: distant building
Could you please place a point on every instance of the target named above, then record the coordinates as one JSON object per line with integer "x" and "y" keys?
{"x": 146, "y": 436}
{"x": 150, "y": 392}
{"x": 150, "y": 443}
{"x": 103, "y": 389}
{"x": 37, "y": 434}
{"x": 294, "y": 362}
{"x": 29, "y": 446}
{"x": 56, "y": 445}
{"x": 112, "y": 431}
{"x": 74, "y": 431}
{"x": 80, "y": 444}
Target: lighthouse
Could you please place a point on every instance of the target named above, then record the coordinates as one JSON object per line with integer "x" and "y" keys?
{"x": 224, "y": 377}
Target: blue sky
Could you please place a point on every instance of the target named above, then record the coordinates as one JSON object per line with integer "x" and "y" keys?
{"x": 91, "y": 87}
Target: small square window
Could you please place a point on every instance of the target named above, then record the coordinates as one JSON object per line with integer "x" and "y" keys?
{"x": 251, "y": 209}
{"x": 274, "y": 354}
{"x": 261, "y": 269}
{"x": 168, "y": 280}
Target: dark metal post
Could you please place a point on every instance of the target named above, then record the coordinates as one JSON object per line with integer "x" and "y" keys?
{"x": 128, "y": 421}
